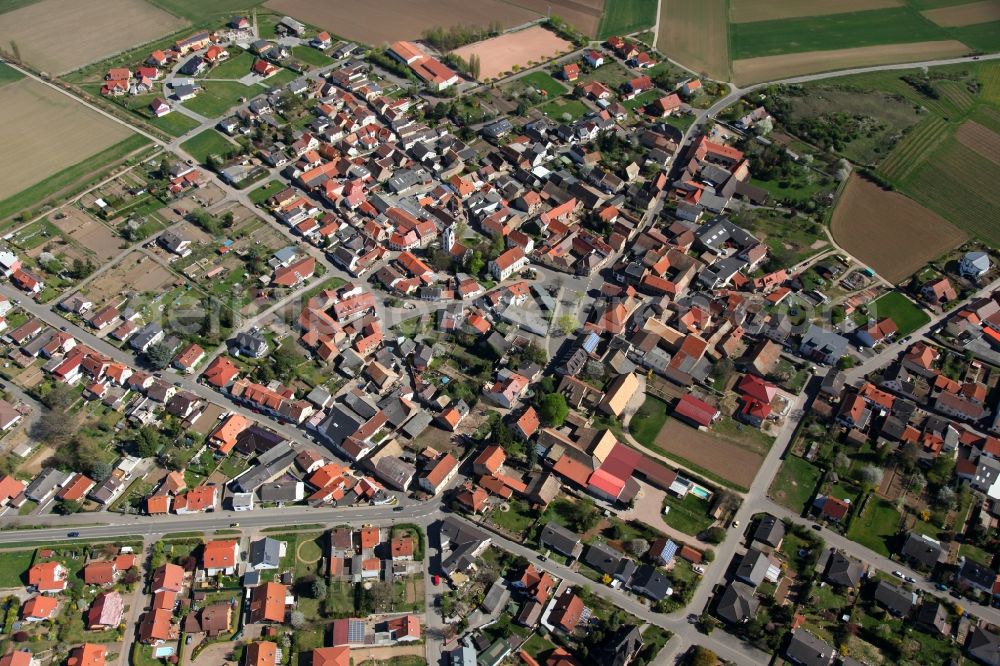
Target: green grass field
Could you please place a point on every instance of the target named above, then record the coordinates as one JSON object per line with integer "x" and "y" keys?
{"x": 8, "y": 74}
{"x": 209, "y": 142}
{"x": 279, "y": 79}
{"x": 236, "y": 67}
{"x": 648, "y": 420}
{"x": 198, "y": 10}
{"x": 266, "y": 191}
{"x": 311, "y": 56}
{"x": 543, "y": 81}
{"x": 980, "y": 36}
{"x": 217, "y": 97}
{"x": 14, "y": 571}
{"x": 37, "y": 193}
{"x": 795, "y": 482}
{"x": 876, "y": 526}
{"x": 908, "y": 317}
{"x": 911, "y": 152}
{"x": 622, "y": 17}
{"x": 834, "y": 31}
{"x": 558, "y": 108}
{"x": 174, "y": 123}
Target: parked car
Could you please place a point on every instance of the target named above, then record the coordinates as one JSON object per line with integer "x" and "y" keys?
{"x": 897, "y": 574}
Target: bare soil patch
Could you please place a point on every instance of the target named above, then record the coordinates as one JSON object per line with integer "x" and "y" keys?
{"x": 58, "y": 36}
{"x": 695, "y": 33}
{"x": 387, "y": 21}
{"x": 584, "y": 15}
{"x": 209, "y": 419}
{"x": 90, "y": 233}
{"x": 969, "y": 14}
{"x": 137, "y": 272}
{"x": 522, "y": 49}
{"x": 43, "y": 132}
{"x": 890, "y": 232}
{"x": 772, "y": 68}
{"x": 727, "y": 459}
{"x": 980, "y": 139}
{"x": 746, "y": 11}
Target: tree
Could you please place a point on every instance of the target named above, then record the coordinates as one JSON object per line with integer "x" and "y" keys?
{"x": 297, "y": 619}
{"x": 714, "y": 534}
{"x": 946, "y": 498}
{"x": 159, "y": 356}
{"x": 475, "y": 67}
{"x": 870, "y": 475}
{"x": 568, "y": 324}
{"x": 841, "y": 462}
{"x": 476, "y": 263}
{"x": 148, "y": 442}
{"x": 553, "y": 409}
{"x": 940, "y": 472}
{"x": 701, "y": 656}
{"x": 722, "y": 371}
{"x": 638, "y": 547}
{"x": 584, "y": 514}
{"x": 318, "y": 589}
{"x": 100, "y": 471}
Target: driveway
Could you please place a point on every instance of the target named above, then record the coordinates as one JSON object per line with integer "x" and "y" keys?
{"x": 648, "y": 510}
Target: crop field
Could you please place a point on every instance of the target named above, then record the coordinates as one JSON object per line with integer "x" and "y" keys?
{"x": 746, "y": 11}
{"x": 771, "y": 68}
{"x": 890, "y": 232}
{"x": 909, "y": 153}
{"x": 500, "y": 55}
{"x": 200, "y": 10}
{"x": 723, "y": 458}
{"x": 57, "y": 36}
{"x": 585, "y": 15}
{"x": 696, "y": 34}
{"x": 623, "y": 17}
{"x": 980, "y": 139}
{"x": 44, "y": 131}
{"x": 954, "y": 173}
{"x": 391, "y": 20}
{"x": 834, "y": 31}
{"x": 981, "y": 36}
{"x": 967, "y": 14}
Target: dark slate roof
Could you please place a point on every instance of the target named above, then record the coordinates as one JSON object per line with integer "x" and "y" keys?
{"x": 806, "y": 649}
{"x": 558, "y": 538}
{"x": 894, "y": 598}
{"x": 770, "y": 531}
{"x": 843, "y": 570}
{"x": 737, "y": 603}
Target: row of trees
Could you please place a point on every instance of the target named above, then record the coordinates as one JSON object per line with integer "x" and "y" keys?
{"x": 446, "y": 39}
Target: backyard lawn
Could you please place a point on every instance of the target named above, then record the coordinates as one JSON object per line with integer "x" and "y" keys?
{"x": 266, "y": 191}
{"x": 236, "y": 67}
{"x": 311, "y": 56}
{"x": 908, "y": 317}
{"x": 689, "y": 515}
{"x": 648, "y": 420}
{"x": 544, "y": 81}
{"x": 876, "y": 526}
{"x": 202, "y": 146}
{"x": 795, "y": 483}
{"x": 14, "y": 573}
{"x": 217, "y": 97}
{"x": 557, "y": 109}
{"x": 518, "y": 518}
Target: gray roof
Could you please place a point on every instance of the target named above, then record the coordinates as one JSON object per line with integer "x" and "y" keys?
{"x": 395, "y": 471}
{"x": 737, "y": 603}
{"x": 770, "y": 531}
{"x": 805, "y": 648}
{"x": 922, "y": 549}
{"x": 753, "y": 567}
{"x": 650, "y": 581}
{"x": 265, "y": 553}
{"x": 603, "y": 557}
{"x": 463, "y": 541}
{"x": 496, "y": 597}
{"x": 843, "y": 570}
{"x": 894, "y": 598}
{"x": 984, "y": 646}
{"x": 560, "y": 539}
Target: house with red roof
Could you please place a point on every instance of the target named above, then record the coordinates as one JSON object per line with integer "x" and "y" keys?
{"x": 472, "y": 497}
{"x": 489, "y": 461}
{"x": 39, "y": 608}
{"x": 567, "y": 611}
{"x": 571, "y": 72}
{"x": 832, "y": 508}
{"x": 441, "y": 473}
{"x": 697, "y": 412}
{"x": 88, "y": 654}
{"x": 221, "y": 557}
{"x": 527, "y": 423}
{"x": 48, "y": 577}
{"x": 221, "y": 372}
